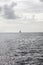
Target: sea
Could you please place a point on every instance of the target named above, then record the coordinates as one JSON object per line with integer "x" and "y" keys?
{"x": 21, "y": 48}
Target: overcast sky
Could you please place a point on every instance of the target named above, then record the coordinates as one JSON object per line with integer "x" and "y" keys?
{"x": 26, "y": 15}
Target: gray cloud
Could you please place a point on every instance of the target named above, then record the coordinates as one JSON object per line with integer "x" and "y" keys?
{"x": 0, "y": 9}
{"x": 9, "y": 13}
{"x": 34, "y": 7}
{"x": 13, "y": 4}
{"x": 41, "y": 0}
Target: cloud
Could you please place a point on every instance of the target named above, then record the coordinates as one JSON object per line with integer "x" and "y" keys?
{"x": 41, "y": 0}
{"x": 13, "y": 4}
{"x": 32, "y": 6}
{"x": 0, "y": 8}
{"x": 23, "y": 6}
{"x": 9, "y": 13}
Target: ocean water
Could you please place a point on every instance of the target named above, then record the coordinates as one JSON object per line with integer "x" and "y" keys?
{"x": 21, "y": 48}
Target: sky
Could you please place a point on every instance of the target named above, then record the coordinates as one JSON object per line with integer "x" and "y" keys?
{"x": 24, "y": 15}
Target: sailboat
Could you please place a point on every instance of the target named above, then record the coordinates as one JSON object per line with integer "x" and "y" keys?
{"x": 20, "y": 31}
